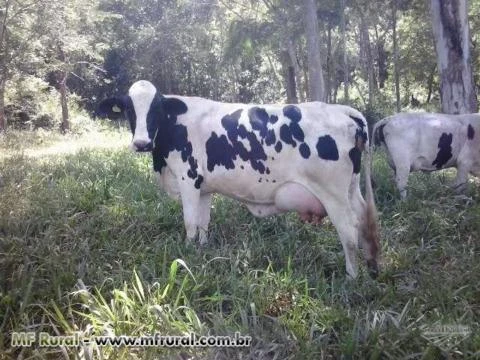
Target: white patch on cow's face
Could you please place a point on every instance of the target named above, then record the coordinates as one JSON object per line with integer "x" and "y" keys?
{"x": 142, "y": 94}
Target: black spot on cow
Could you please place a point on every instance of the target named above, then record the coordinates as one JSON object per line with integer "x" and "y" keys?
{"x": 356, "y": 156}
{"x": 445, "y": 152}
{"x": 242, "y": 131}
{"x": 327, "y": 148}
{"x": 260, "y": 180}
{"x": 199, "y": 181}
{"x": 293, "y": 113}
{"x": 242, "y": 167}
{"x": 471, "y": 132}
{"x": 270, "y": 139}
{"x": 223, "y": 152}
{"x": 259, "y": 119}
{"x": 304, "y": 151}
{"x": 359, "y": 122}
{"x": 278, "y": 147}
{"x": 293, "y": 132}
{"x": 230, "y": 123}
{"x": 267, "y": 171}
{"x": 219, "y": 152}
{"x": 172, "y": 137}
{"x": 274, "y": 181}
{"x": 192, "y": 172}
{"x": 183, "y": 178}
{"x": 297, "y": 131}
{"x": 286, "y": 135}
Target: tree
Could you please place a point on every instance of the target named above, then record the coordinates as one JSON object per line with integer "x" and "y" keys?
{"x": 16, "y": 45}
{"x": 343, "y": 30}
{"x": 68, "y": 39}
{"x": 396, "y": 56}
{"x": 452, "y": 44}
{"x": 316, "y": 84}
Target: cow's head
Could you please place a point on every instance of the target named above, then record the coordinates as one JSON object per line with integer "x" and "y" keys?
{"x": 146, "y": 111}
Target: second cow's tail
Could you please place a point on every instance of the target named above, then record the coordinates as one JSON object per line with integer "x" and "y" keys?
{"x": 378, "y": 136}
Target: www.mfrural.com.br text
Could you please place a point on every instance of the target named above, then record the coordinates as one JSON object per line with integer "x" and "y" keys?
{"x": 43, "y": 339}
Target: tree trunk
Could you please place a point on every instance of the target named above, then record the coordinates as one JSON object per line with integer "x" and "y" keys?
{"x": 316, "y": 84}
{"x": 296, "y": 68}
{"x": 430, "y": 84}
{"x": 3, "y": 64}
{"x": 291, "y": 86}
{"x": 344, "y": 50}
{"x": 289, "y": 78}
{"x": 395, "y": 58}
{"x": 368, "y": 60}
{"x": 63, "y": 102}
{"x": 3, "y": 119}
{"x": 328, "y": 90}
{"x": 452, "y": 43}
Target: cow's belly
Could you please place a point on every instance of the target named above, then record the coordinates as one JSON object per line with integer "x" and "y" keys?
{"x": 425, "y": 163}
{"x": 290, "y": 197}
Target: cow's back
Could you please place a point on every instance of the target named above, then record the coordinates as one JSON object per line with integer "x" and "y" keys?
{"x": 426, "y": 141}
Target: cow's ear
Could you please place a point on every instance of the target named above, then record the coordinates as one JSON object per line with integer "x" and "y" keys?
{"x": 174, "y": 106}
{"x": 113, "y": 108}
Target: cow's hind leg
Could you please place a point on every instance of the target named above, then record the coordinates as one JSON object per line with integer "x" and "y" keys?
{"x": 401, "y": 179}
{"x": 205, "y": 208}
{"x": 460, "y": 184}
{"x": 359, "y": 207}
{"x": 400, "y": 164}
{"x": 345, "y": 221}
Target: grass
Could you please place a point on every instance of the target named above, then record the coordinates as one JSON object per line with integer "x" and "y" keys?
{"x": 88, "y": 244}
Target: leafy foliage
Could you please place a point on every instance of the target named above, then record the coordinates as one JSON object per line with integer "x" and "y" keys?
{"x": 238, "y": 51}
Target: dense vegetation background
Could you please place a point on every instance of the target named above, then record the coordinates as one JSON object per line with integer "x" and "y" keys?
{"x": 376, "y": 55}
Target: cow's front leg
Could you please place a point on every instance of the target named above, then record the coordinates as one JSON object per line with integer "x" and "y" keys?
{"x": 460, "y": 184}
{"x": 191, "y": 210}
{"x": 401, "y": 178}
{"x": 205, "y": 208}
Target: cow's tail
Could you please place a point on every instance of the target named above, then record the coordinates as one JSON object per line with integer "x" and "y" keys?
{"x": 369, "y": 226}
{"x": 377, "y": 133}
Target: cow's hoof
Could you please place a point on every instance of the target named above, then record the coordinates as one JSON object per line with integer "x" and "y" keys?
{"x": 372, "y": 268}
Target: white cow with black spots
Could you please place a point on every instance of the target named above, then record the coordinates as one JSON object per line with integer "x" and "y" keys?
{"x": 429, "y": 142}
{"x": 273, "y": 158}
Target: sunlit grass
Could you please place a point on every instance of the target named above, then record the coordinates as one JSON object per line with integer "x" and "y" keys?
{"x": 42, "y": 143}
{"x": 89, "y": 244}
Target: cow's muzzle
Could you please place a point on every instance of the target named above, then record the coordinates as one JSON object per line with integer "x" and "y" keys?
{"x": 142, "y": 146}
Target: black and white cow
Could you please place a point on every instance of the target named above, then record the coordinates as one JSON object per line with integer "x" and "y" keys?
{"x": 429, "y": 142}
{"x": 273, "y": 158}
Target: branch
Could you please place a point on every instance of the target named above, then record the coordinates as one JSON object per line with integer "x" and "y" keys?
{"x": 233, "y": 11}
{"x": 77, "y": 76}
{"x": 96, "y": 67}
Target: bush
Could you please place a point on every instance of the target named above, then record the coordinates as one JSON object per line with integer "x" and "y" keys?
{"x": 32, "y": 104}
